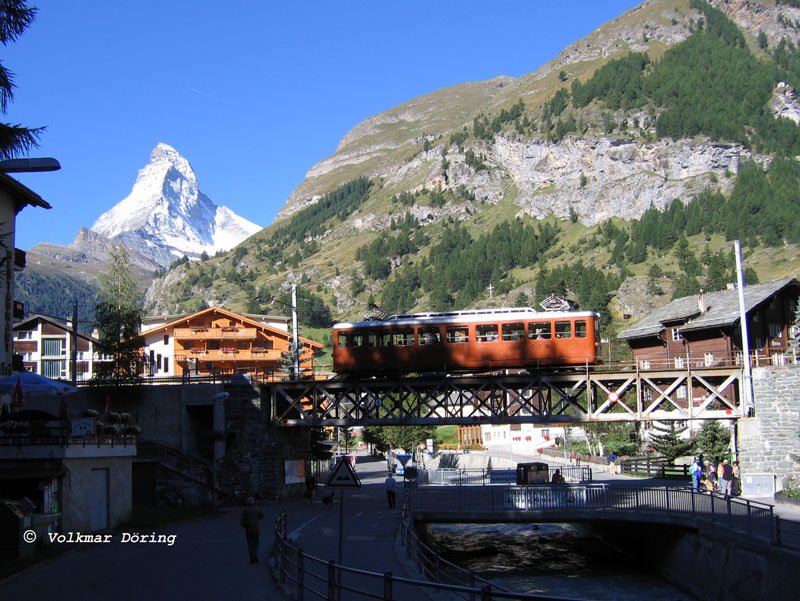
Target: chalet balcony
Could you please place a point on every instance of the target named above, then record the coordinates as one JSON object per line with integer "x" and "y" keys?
{"x": 231, "y": 354}
{"x": 226, "y": 333}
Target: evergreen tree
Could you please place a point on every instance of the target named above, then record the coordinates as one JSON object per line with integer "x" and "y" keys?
{"x": 118, "y": 317}
{"x": 398, "y": 437}
{"x": 317, "y": 449}
{"x": 15, "y": 17}
{"x": 714, "y": 441}
{"x": 667, "y": 441}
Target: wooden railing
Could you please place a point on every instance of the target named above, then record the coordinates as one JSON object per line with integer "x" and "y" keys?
{"x": 232, "y": 333}
{"x": 228, "y": 354}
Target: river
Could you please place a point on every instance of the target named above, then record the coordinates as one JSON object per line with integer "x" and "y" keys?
{"x": 554, "y": 559}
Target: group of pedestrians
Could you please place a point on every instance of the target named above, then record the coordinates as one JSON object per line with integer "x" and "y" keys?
{"x": 723, "y": 478}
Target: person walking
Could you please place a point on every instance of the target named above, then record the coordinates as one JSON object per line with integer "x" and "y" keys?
{"x": 389, "y": 484}
{"x": 725, "y": 477}
{"x": 311, "y": 487}
{"x": 612, "y": 463}
{"x": 737, "y": 479}
{"x": 250, "y": 521}
{"x": 696, "y": 471}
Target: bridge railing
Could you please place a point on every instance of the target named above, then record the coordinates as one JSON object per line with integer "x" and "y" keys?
{"x": 305, "y": 576}
{"x": 738, "y": 514}
{"x": 501, "y": 476}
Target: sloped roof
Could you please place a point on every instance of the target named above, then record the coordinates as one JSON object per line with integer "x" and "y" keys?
{"x": 249, "y": 320}
{"x": 54, "y": 321}
{"x": 722, "y": 309}
{"x": 21, "y": 193}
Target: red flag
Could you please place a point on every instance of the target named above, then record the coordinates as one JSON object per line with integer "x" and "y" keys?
{"x": 19, "y": 397}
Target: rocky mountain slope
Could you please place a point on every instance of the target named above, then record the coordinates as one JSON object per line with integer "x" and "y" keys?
{"x": 166, "y": 216}
{"x": 431, "y": 160}
{"x": 598, "y": 176}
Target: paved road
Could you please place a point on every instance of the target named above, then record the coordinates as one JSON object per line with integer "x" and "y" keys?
{"x": 207, "y": 561}
{"x": 209, "y": 558}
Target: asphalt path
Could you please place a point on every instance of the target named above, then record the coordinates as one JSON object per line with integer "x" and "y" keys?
{"x": 208, "y": 558}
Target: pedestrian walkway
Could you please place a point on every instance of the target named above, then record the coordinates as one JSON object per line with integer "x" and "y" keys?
{"x": 209, "y": 558}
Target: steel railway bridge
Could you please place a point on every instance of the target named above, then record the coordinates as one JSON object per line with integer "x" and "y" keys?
{"x": 546, "y": 397}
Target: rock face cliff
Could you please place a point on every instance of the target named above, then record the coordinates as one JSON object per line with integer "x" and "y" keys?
{"x": 166, "y": 216}
{"x": 592, "y": 174}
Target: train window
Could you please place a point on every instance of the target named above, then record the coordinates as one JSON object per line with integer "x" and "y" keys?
{"x": 513, "y": 331}
{"x": 429, "y": 336}
{"x": 486, "y": 333}
{"x": 384, "y": 338}
{"x": 344, "y": 340}
{"x": 403, "y": 337}
{"x": 358, "y": 339}
{"x": 374, "y": 339}
{"x": 457, "y": 334}
{"x": 580, "y": 328}
{"x": 539, "y": 330}
{"x": 563, "y": 329}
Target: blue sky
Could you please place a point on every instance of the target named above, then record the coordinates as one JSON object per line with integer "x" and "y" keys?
{"x": 252, "y": 93}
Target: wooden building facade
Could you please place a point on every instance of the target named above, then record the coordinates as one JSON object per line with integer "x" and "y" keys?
{"x": 216, "y": 341}
{"x": 704, "y": 331}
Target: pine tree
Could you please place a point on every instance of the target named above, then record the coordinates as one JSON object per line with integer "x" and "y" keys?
{"x": 15, "y": 17}
{"x": 713, "y": 440}
{"x": 667, "y": 441}
{"x": 317, "y": 449}
{"x": 118, "y": 317}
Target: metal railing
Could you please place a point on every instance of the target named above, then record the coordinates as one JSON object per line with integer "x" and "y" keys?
{"x": 305, "y": 576}
{"x": 494, "y": 476}
{"x": 741, "y": 515}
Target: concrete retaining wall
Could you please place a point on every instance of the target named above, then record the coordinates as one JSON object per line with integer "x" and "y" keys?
{"x": 710, "y": 563}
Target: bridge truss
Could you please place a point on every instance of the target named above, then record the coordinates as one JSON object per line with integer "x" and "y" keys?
{"x": 552, "y": 397}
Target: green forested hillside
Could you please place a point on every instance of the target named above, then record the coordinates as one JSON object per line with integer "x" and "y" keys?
{"x": 443, "y": 247}
{"x": 56, "y": 297}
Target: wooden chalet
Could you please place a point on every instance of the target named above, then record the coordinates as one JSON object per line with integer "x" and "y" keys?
{"x": 703, "y": 331}
{"x": 217, "y": 341}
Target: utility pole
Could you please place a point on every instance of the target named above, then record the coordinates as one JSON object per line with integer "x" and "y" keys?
{"x": 74, "y": 344}
{"x": 295, "y": 341}
{"x": 747, "y": 389}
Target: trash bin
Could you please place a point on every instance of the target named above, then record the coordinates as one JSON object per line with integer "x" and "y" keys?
{"x": 13, "y": 522}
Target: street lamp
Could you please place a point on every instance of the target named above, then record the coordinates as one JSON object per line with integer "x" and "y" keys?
{"x": 29, "y": 165}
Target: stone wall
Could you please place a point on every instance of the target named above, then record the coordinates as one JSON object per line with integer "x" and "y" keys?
{"x": 255, "y": 450}
{"x": 769, "y": 440}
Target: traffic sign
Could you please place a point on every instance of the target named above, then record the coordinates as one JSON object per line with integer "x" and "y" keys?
{"x": 343, "y": 475}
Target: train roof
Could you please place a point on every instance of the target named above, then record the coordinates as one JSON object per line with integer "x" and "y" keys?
{"x": 471, "y": 316}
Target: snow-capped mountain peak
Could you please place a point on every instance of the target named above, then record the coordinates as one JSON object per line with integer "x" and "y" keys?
{"x": 166, "y": 216}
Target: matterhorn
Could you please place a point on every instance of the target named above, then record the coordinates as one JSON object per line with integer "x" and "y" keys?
{"x": 166, "y": 216}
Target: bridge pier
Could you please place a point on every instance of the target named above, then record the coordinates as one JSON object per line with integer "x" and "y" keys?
{"x": 769, "y": 442}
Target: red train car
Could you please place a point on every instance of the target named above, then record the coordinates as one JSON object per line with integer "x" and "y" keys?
{"x": 466, "y": 341}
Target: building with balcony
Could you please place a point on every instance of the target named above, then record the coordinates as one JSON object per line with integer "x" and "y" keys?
{"x": 216, "y": 341}
{"x": 46, "y": 345}
{"x": 703, "y": 331}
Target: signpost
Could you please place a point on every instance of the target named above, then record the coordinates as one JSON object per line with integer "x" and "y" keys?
{"x": 343, "y": 476}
